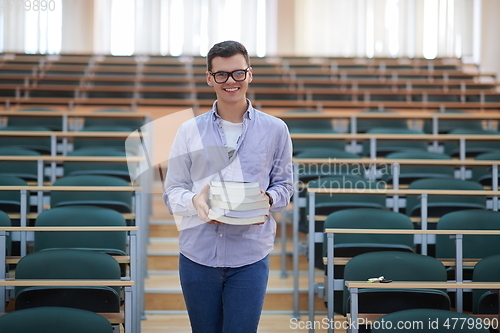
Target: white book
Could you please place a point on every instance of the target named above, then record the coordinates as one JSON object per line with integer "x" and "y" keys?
{"x": 240, "y": 213}
{"x": 229, "y": 189}
{"x": 233, "y": 184}
{"x": 236, "y": 221}
{"x": 240, "y": 199}
{"x": 239, "y": 206}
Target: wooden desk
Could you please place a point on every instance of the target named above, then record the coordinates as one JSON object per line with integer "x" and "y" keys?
{"x": 133, "y": 287}
{"x": 458, "y": 260}
{"x": 354, "y": 287}
{"x": 312, "y": 232}
{"x": 130, "y": 318}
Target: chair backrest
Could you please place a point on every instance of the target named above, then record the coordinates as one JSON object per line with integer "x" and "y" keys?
{"x": 10, "y": 201}
{"x": 132, "y": 124}
{"x": 110, "y": 242}
{"x": 69, "y": 264}
{"x": 350, "y": 245}
{"x": 53, "y": 123}
{"x": 447, "y": 125}
{"x": 438, "y": 205}
{"x": 328, "y": 203}
{"x": 97, "y": 168}
{"x": 309, "y": 172}
{"x": 119, "y": 143}
{"x": 27, "y": 170}
{"x": 300, "y": 145}
{"x": 397, "y": 266}
{"x": 428, "y": 320}
{"x": 363, "y": 125}
{"x": 486, "y": 270}
{"x": 39, "y": 144}
{"x": 5, "y": 222}
{"x": 312, "y": 125}
{"x": 119, "y": 201}
{"x": 472, "y": 147}
{"x": 474, "y": 246}
{"x": 408, "y": 174}
{"x": 483, "y": 175}
{"x": 385, "y": 147}
{"x": 54, "y": 320}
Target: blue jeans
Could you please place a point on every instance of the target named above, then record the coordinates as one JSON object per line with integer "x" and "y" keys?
{"x": 224, "y": 299}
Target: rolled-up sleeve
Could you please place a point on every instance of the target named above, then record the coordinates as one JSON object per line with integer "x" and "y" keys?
{"x": 178, "y": 194}
{"x": 281, "y": 176}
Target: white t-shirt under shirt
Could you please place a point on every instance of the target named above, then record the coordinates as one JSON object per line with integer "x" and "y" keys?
{"x": 232, "y": 131}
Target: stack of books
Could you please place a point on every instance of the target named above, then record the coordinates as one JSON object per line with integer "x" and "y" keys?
{"x": 237, "y": 202}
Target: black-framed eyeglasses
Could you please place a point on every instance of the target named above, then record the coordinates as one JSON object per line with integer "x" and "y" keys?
{"x": 237, "y": 75}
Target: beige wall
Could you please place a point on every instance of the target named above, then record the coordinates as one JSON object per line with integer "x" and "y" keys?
{"x": 490, "y": 32}
{"x": 78, "y": 23}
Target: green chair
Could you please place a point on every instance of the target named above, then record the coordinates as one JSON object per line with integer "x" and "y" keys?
{"x": 53, "y": 123}
{"x": 385, "y": 147}
{"x": 364, "y": 125}
{"x": 325, "y": 204}
{"x": 483, "y": 175}
{"x": 27, "y": 170}
{"x": 428, "y": 320}
{"x": 329, "y": 203}
{"x": 110, "y": 242}
{"x": 302, "y": 126}
{"x": 408, "y": 174}
{"x": 317, "y": 126}
{"x": 300, "y": 146}
{"x": 486, "y": 270}
{"x": 54, "y": 320}
{"x": 439, "y": 205}
{"x": 472, "y": 147}
{"x": 473, "y": 246}
{"x": 118, "y": 143}
{"x": 39, "y": 144}
{"x": 68, "y": 264}
{"x": 119, "y": 201}
{"x": 132, "y": 124}
{"x": 5, "y": 222}
{"x": 445, "y": 125}
{"x": 97, "y": 168}
{"x": 308, "y": 172}
{"x": 10, "y": 201}
{"x": 351, "y": 245}
{"x": 396, "y": 266}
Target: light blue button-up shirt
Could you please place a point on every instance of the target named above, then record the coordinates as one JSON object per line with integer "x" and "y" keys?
{"x": 199, "y": 155}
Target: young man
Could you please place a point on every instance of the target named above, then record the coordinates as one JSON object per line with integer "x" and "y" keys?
{"x": 224, "y": 268}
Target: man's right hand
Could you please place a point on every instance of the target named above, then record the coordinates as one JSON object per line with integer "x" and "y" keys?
{"x": 200, "y": 202}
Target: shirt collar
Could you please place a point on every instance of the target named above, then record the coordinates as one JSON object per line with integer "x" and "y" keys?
{"x": 248, "y": 113}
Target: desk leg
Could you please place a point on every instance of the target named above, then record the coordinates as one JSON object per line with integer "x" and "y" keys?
{"x": 23, "y": 223}
{"x": 3, "y": 254}
{"x": 494, "y": 185}
{"x": 424, "y": 214}
{"x": 295, "y": 222}
{"x": 135, "y": 306}
{"x": 354, "y": 309}
{"x": 311, "y": 239}
{"x": 459, "y": 271}
{"x": 329, "y": 280}
{"x": 284, "y": 273}
{"x": 128, "y": 310}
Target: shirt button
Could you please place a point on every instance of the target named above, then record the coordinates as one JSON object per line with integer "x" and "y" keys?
{"x": 220, "y": 235}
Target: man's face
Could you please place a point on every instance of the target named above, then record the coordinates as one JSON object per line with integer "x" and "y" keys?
{"x": 231, "y": 91}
